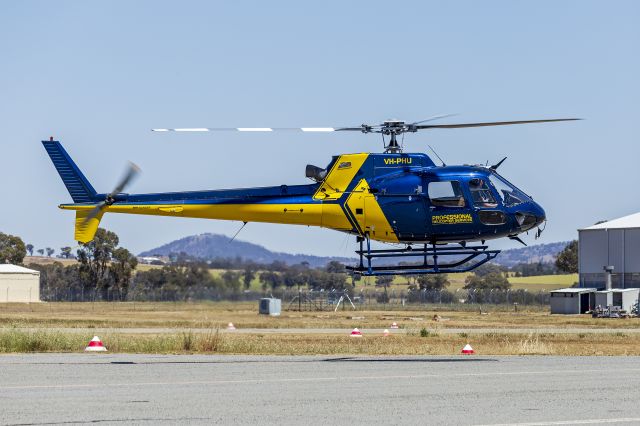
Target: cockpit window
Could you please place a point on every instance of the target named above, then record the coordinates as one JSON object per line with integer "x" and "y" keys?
{"x": 509, "y": 194}
{"x": 446, "y": 194}
{"x": 481, "y": 194}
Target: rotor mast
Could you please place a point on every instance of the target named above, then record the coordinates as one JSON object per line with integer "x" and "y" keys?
{"x": 393, "y": 128}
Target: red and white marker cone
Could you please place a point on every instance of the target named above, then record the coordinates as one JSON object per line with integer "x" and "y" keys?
{"x": 95, "y": 345}
{"x": 394, "y": 325}
{"x": 467, "y": 350}
{"x": 230, "y": 326}
{"x": 356, "y": 333}
{"x": 385, "y": 333}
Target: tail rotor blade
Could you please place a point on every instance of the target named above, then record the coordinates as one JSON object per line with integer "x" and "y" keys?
{"x": 132, "y": 171}
{"x": 95, "y": 212}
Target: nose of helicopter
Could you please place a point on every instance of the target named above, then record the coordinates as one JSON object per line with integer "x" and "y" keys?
{"x": 541, "y": 216}
{"x": 530, "y": 215}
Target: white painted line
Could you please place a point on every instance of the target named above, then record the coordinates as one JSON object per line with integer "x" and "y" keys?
{"x": 159, "y": 130}
{"x": 255, "y": 129}
{"x": 573, "y": 422}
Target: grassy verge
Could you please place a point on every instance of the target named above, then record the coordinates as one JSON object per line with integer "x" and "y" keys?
{"x": 415, "y": 343}
{"x": 218, "y": 314}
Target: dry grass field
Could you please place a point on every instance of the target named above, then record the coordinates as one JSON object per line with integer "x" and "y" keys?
{"x": 14, "y": 341}
{"x": 195, "y": 328}
{"x": 182, "y": 315}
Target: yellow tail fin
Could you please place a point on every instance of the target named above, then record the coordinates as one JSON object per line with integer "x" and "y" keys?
{"x": 86, "y": 229}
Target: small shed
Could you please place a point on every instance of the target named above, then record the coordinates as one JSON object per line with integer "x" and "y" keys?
{"x": 572, "y": 300}
{"x": 19, "y": 284}
{"x": 624, "y": 298}
{"x": 270, "y": 306}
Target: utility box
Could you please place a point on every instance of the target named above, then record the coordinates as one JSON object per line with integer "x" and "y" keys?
{"x": 270, "y": 306}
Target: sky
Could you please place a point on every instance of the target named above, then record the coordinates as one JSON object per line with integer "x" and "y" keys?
{"x": 99, "y": 75}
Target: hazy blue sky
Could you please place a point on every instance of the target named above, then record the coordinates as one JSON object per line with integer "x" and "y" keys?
{"x": 99, "y": 75}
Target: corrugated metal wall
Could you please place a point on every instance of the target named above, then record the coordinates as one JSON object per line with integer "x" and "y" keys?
{"x": 22, "y": 288}
{"x": 617, "y": 247}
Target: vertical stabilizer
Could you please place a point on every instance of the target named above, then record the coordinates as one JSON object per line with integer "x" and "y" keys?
{"x": 78, "y": 186}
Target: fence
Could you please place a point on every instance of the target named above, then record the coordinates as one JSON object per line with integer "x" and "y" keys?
{"x": 305, "y": 299}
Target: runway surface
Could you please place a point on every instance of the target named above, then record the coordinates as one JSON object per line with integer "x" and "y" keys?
{"x": 153, "y": 389}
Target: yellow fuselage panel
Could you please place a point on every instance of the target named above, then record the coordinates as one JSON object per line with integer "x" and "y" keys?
{"x": 340, "y": 176}
{"x": 295, "y": 214}
{"x": 365, "y": 210}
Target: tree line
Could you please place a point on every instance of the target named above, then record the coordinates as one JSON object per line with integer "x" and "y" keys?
{"x": 106, "y": 271}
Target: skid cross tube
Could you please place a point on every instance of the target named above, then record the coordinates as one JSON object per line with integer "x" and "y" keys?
{"x": 463, "y": 259}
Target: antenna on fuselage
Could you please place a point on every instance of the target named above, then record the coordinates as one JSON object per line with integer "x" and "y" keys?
{"x": 434, "y": 151}
{"x": 236, "y": 234}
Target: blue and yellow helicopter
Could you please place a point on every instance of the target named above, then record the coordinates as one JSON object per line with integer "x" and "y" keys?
{"x": 430, "y": 214}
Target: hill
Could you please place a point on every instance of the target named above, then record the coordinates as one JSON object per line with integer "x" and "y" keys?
{"x": 544, "y": 253}
{"x": 211, "y": 246}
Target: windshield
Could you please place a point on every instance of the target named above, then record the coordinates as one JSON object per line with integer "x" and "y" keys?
{"x": 509, "y": 194}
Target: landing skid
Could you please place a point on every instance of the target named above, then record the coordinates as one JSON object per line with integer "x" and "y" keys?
{"x": 424, "y": 260}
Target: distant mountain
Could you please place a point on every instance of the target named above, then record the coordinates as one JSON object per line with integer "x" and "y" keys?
{"x": 544, "y": 253}
{"x": 211, "y": 246}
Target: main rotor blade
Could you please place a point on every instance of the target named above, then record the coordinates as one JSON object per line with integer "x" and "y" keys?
{"x": 495, "y": 123}
{"x": 131, "y": 173}
{"x": 249, "y": 129}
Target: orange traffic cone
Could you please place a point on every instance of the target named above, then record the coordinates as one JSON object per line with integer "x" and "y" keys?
{"x": 394, "y": 325}
{"x": 356, "y": 333}
{"x": 385, "y": 333}
{"x": 230, "y": 326}
{"x": 467, "y": 350}
{"x": 95, "y": 345}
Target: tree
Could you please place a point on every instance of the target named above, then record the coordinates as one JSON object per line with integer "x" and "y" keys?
{"x": 248, "y": 275}
{"x": 335, "y": 267}
{"x": 431, "y": 282}
{"x": 50, "y": 251}
{"x": 12, "y": 249}
{"x": 487, "y": 268}
{"x": 65, "y": 252}
{"x": 122, "y": 266}
{"x": 30, "y": 249}
{"x": 40, "y": 252}
{"x": 567, "y": 259}
{"x": 293, "y": 277}
{"x": 271, "y": 279}
{"x": 231, "y": 280}
{"x": 491, "y": 281}
{"x": 384, "y": 281}
{"x": 94, "y": 258}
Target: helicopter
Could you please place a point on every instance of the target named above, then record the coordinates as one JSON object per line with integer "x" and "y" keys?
{"x": 435, "y": 218}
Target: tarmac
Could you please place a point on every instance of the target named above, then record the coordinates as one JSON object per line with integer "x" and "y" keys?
{"x": 118, "y": 389}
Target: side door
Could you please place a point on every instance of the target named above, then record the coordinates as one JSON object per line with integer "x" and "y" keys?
{"x": 451, "y": 216}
